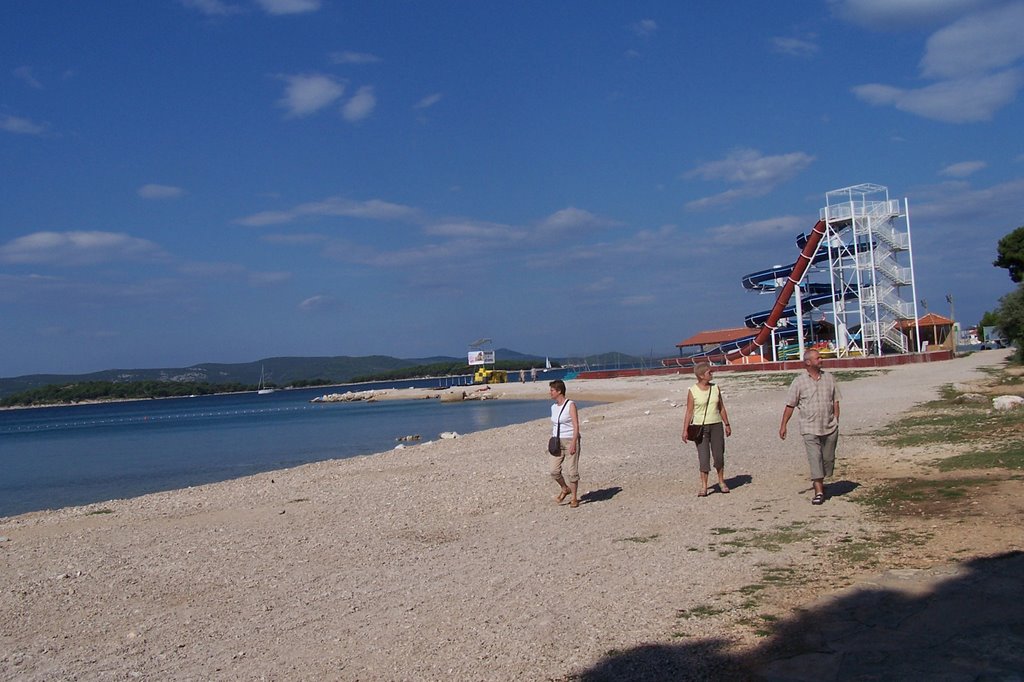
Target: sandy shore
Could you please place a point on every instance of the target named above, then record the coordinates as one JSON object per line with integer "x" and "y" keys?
{"x": 448, "y": 560}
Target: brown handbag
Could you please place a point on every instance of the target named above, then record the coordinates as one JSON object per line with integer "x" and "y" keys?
{"x": 695, "y": 432}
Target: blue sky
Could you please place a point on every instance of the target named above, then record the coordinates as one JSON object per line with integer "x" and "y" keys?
{"x": 193, "y": 181}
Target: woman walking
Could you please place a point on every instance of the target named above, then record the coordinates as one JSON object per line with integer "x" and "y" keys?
{"x": 706, "y": 423}
{"x": 565, "y": 425}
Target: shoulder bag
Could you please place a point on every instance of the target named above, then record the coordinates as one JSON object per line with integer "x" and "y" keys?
{"x": 555, "y": 442}
{"x": 695, "y": 432}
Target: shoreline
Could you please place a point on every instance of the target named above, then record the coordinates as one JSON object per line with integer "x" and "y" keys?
{"x": 446, "y": 560}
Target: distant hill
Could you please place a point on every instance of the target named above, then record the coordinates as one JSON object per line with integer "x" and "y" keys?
{"x": 284, "y": 370}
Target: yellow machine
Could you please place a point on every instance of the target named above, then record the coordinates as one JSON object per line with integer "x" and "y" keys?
{"x": 484, "y": 375}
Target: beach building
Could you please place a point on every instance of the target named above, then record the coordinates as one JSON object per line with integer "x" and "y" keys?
{"x": 934, "y": 331}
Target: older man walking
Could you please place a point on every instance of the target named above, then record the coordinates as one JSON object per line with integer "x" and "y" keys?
{"x": 816, "y": 395}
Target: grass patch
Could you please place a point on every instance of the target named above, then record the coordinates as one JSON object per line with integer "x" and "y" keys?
{"x": 724, "y": 531}
{"x": 94, "y": 512}
{"x": 919, "y": 497}
{"x": 851, "y": 374}
{"x": 780, "y": 379}
{"x": 299, "y": 499}
{"x": 773, "y": 540}
{"x": 640, "y": 539}
{"x": 864, "y": 552}
{"x": 1009, "y": 456}
{"x": 945, "y": 422}
{"x": 698, "y": 612}
{"x": 781, "y": 575}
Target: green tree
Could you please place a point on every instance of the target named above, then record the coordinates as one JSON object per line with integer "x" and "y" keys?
{"x": 1011, "y": 319}
{"x": 989, "y": 319}
{"x": 1011, "y": 254}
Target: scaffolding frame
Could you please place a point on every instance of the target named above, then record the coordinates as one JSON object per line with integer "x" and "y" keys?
{"x": 870, "y": 270}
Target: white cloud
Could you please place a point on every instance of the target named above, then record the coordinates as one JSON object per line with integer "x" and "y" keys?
{"x": 979, "y": 43}
{"x": 267, "y": 278}
{"x": 645, "y": 27}
{"x": 307, "y": 94}
{"x": 755, "y": 174}
{"x": 962, "y": 169}
{"x": 318, "y": 303}
{"x": 795, "y": 47}
{"x": 153, "y": 191}
{"x": 24, "y": 73}
{"x": 890, "y": 15}
{"x": 637, "y": 300}
{"x": 473, "y": 230}
{"x": 360, "y": 106}
{"x": 572, "y": 219}
{"x": 965, "y": 100}
{"x": 975, "y": 62}
{"x": 20, "y": 126}
{"x": 599, "y": 286}
{"x": 349, "y": 57}
{"x": 212, "y": 8}
{"x": 373, "y": 209}
{"x": 288, "y": 6}
{"x": 780, "y": 228}
{"x": 428, "y": 101}
{"x": 77, "y": 248}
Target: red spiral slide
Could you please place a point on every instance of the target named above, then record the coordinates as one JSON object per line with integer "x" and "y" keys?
{"x": 799, "y": 268}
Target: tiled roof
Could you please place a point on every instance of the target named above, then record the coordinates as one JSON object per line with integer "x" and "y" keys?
{"x": 716, "y": 336}
{"x": 929, "y": 320}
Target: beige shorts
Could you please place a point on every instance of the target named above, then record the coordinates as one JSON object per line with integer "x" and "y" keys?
{"x": 572, "y": 463}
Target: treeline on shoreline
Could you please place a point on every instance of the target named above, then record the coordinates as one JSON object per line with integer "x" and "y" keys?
{"x": 54, "y": 394}
{"x": 96, "y": 391}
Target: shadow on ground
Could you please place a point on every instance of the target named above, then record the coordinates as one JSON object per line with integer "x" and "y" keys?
{"x": 602, "y": 495}
{"x": 957, "y": 622}
{"x": 840, "y": 488}
{"x": 739, "y": 481}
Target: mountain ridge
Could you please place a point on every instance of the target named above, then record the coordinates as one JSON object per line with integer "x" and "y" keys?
{"x": 280, "y": 371}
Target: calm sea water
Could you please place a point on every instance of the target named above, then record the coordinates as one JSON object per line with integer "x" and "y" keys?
{"x": 61, "y": 456}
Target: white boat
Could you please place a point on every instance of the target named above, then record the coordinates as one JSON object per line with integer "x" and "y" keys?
{"x": 263, "y": 389}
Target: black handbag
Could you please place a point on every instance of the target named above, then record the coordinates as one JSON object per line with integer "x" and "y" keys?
{"x": 555, "y": 442}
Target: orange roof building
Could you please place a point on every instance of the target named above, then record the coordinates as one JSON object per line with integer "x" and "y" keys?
{"x": 716, "y": 337}
{"x": 936, "y": 331}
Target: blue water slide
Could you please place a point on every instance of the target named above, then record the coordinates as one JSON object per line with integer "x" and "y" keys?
{"x": 813, "y": 296}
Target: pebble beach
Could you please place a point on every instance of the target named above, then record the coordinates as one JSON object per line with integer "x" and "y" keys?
{"x": 448, "y": 559}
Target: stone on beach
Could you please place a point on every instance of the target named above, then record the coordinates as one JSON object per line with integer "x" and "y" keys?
{"x": 1007, "y": 402}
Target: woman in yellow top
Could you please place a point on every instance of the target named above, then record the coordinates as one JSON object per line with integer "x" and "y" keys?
{"x": 706, "y": 409}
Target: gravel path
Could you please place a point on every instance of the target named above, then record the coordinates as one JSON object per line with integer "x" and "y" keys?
{"x": 447, "y": 560}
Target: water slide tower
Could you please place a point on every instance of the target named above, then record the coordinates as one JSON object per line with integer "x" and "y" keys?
{"x": 870, "y": 268}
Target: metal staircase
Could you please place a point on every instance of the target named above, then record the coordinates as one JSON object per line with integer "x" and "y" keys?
{"x": 870, "y": 266}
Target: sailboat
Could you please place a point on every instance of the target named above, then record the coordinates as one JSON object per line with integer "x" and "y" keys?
{"x": 263, "y": 389}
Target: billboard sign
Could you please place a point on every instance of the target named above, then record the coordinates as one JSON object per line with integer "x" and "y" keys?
{"x": 481, "y": 357}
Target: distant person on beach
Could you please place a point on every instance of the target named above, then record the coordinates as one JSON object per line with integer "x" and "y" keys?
{"x": 816, "y": 395}
{"x": 533, "y": 374}
{"x": 565, "y": 423}
{"x": 522, "y": 376}
{"x": 705, "y": 409}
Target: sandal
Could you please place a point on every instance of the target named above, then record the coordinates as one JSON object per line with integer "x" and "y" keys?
{"x": 702, "y": 494}
{"x": 819, "y": 498}
{"x": 561, "y": 496}
{"x": 574, "y": 504}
